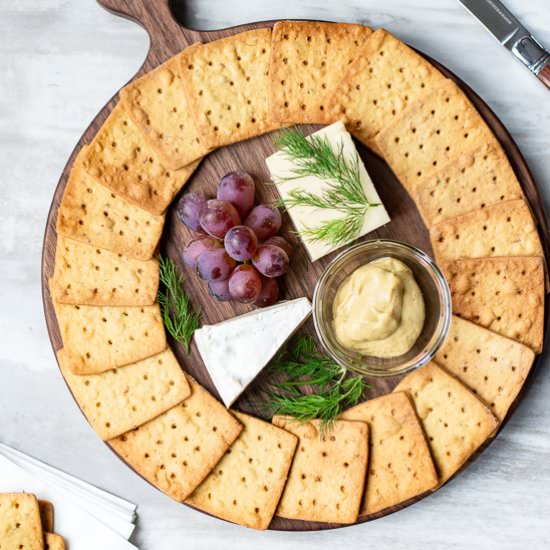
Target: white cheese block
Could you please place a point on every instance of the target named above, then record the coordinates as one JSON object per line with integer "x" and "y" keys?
{"x": 281, "y": 167}
{"x": 236, "y": 350}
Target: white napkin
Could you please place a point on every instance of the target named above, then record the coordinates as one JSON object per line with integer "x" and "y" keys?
{"x": 81, "y": 530}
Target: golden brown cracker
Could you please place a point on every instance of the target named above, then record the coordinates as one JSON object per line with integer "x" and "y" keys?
{"x": 20, "y": 525}
{"x": 53, "y": 542}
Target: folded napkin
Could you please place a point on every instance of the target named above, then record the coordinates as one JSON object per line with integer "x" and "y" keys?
{"x": 87, "y": 517}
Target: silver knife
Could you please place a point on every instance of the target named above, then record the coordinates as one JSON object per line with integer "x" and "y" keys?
{"x": 512, "y": 35}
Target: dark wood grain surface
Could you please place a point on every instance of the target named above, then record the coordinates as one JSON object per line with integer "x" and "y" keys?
{"x": 167, "y": 38}
{"x": 544, "y": 75}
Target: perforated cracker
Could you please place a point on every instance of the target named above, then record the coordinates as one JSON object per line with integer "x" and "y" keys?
{"x": 53, "y": 542}
{"x": 119, "y": 400}
{"x": 430, "y": 133}
{"x": 384, "y": 79}
{"x": 247, "y": 483}
{"x": 121, "y": 159}
{"x": 473, "y": 180}
{"x": 20, "y": 525}
{"x": 308, "y": 59}
{"x": 178, "y": 449}
{"x": 156, "y": 103}
{"x": 46, "y": 510}
{"x": 226, "y": 84}
{"x": 505, "y": 295}
{"x": 503, "y": 229}
{"x": 492, "y": 366}
{"x": 455, "y": 421}
{"x": 400, "y": 463}
{"x": 92, "y": 214}
{"x": 100, "y": 338}
{"x": 326, "y": 480}
{"x": 89, "y": 275}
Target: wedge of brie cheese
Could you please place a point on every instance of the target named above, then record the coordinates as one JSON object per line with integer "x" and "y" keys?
{"x": 236, "y": 350}
{"x": 281, "y": 167}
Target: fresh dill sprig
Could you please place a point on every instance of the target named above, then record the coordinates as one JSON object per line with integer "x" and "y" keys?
{"x": 314, "y": 156}
{"x": 301, "y": 364}
{"x": 177, "y": 314}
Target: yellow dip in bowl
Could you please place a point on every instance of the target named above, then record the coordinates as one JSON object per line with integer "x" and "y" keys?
{"x": 379, "y": 309}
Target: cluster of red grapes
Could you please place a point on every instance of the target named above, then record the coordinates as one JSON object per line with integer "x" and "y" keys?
{"x": 238, "y": 250}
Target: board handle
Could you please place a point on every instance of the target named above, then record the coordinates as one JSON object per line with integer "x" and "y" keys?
{"x": 156, "y": 17}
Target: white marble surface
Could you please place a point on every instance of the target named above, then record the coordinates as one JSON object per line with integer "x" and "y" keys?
{"x": 60, "y": 61}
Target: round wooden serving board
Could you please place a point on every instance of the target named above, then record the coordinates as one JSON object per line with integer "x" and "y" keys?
{"x": 168, "y": 38}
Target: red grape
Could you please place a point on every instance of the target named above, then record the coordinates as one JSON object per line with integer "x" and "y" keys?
{"x": 189, "y": 209}
{"x": 220, "y": 290}
{"x": 238, "y": 189}
{"x": 270, "y": 260}
{"x": 281, "y": 242}
{"x": 264, "y": 220}
{"x": 269, "y": 293}
{"x": 217, "y": 217}
{"x": 245, "y": 284}
{"x": 196, "y": 247}
{"x": 215, "y": 265}
{"x": 241, "y": 242}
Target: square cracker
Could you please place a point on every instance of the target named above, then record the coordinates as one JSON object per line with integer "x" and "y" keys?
{"x": 92, "y": 214}
{"x": 455, "y": 421}
{"x": 400, "y": 464}
{"x": 53, "y": 542}
{"x": 20, "y": 525}
{"x": 492, "y": 366}
{"x": 247, "y": 483}
{"x": 178, "y": 449}
{"x": 503, "y": 229}
{"x": 100, "y": 338}
{"x": 505, "y": 295}
{"x": 431, "y": 132}
{"x": 473, "y": 180}
{"x": 327, "y": 476}
{"x": 156, "y": 103}
{"x": 308, "y": 59}
{"x": 384, "y": 79}
{"x": 226, "y": 85}
{"x": 122, "y": 399}
{"x": 46, "y": 510}
{"x": 94, "y": 276}
{"x": 120, "y": 158}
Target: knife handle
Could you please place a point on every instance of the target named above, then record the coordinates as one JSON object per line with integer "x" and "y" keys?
{"x": 544, "y": 75}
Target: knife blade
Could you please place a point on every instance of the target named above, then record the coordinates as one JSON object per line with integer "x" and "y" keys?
{"x": 508, "y": 30}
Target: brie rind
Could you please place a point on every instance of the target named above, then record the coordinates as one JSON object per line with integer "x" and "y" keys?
{"x": 281, "y": 168}
{"x": 236, "y": 350}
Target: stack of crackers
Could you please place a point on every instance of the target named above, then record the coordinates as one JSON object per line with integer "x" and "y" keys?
{"x": 381, "y": 453}
{"x": 26, "y": 522}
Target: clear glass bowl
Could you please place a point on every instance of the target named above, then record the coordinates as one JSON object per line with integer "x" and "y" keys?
{"x": 437, "y": 300}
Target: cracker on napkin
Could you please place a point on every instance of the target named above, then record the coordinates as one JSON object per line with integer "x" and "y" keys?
{"x": 119, "y": 400}
{"x": 473, "y": 180}
{"x": 503, "y": 229}
{"x": 20, "y": 525}
{"x": 156, "y": 103}
{"x": 100, "y": 338}
{"x": 179, "y": 448}
{"x": 455, "y": 421}
{"x": 492, "y": 366}
{"x": 400, "y": 463}
{"x": 327, "y": 477}
{"x": 247, "y": 483}
{"x": 46, "y": 510}
{"x": 505, "y": 295}
{"x": 226, "y": 85}
{"x": 53, "y": 542}
{"x": 430, "y": 133}
{"x": 384, "y": 79}
{"x": 120, "y": 158}
{"x": 89, "y": 275}
{"x": 308, "y": 59}
{"x": 92, "y": 214}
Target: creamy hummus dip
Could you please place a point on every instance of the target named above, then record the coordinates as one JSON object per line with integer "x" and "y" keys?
{"x": 379, "y": 309}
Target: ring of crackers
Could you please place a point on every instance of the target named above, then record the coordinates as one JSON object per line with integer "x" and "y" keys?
{"x": 383, "y": 453}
